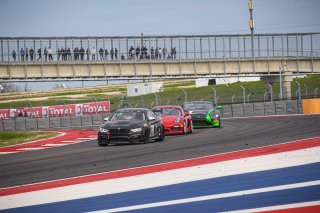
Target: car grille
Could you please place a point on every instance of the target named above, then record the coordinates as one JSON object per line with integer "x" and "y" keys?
{"x": 119, "y": 131}
{"x": 198, "y": 116}
{"x": 201, "y": 123}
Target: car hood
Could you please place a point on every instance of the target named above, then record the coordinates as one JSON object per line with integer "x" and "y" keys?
{"x": 203, "y": 112}
{"x": 169, "y": 118}
{"x": 123, "y": 124}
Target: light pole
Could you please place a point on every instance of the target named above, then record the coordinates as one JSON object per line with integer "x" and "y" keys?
{"x": 251, "y": 25}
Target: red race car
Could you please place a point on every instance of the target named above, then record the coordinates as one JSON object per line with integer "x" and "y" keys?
{"x": 175, "y": 120}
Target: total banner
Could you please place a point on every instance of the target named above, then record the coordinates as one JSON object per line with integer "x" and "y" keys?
{"x": 57, "y": 110}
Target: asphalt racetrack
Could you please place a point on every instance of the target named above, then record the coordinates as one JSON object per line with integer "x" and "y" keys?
{"x": 88, "y": 158}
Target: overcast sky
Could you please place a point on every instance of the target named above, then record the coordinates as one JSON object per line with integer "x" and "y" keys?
{"x": 154, "y": 17}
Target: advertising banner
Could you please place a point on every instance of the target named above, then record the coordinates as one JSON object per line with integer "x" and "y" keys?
{"x": 57, "y": 110}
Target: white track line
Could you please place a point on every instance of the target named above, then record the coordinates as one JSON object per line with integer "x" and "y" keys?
{"x": 54, "y": 144}
{"x": 212, "y": 197}
{"x": 34, "y": 148}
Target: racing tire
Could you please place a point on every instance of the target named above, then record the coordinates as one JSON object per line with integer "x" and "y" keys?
{"x": 103, "y": 144}
{"x": 161, "y": 136}
{"x": 185, "y": 126}
{"x": 191, "y": 127}
{"x": 145, "y": 138}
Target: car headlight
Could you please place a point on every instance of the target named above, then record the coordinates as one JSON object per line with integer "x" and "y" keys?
{"x": 136, "y": 130}
{"x": 214, "y": 115}
{"x": 103, "y": 130}
{"x": 178, "y": 119}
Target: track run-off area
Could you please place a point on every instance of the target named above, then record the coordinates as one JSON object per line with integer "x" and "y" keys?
{"x": 257, "y": 164}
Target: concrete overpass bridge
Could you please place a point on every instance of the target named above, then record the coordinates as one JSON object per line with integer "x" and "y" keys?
{"x": 143, "y": 57}
{"x": 155, "y": 57}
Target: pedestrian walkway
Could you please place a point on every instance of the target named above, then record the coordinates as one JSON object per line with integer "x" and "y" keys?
{"x": 66, "y": 137}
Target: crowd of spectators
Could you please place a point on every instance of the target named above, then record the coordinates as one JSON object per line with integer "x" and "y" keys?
{"x": 81, "y": 54}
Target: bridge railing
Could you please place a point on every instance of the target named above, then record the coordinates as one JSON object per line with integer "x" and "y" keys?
{"x": 136, "y": 48}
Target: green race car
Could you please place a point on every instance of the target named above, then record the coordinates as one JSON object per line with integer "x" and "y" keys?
{"x": 204, "y": 114}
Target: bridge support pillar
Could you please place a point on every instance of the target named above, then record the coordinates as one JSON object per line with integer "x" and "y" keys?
{"x": 286, "y": 83}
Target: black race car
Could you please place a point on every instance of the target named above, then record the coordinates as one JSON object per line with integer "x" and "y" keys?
{"x": 131, "y": 125}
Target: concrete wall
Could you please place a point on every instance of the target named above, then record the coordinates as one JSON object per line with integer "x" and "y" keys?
{"x": 228, "y": 111}
{"x": 261, "y": 109}
{"x": 153, "y": 68}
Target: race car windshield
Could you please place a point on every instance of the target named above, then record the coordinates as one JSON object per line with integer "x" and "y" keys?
{"x": 128, "y": 115}
{"x": 202, "y": 106}
{"x": 168, "y": 111}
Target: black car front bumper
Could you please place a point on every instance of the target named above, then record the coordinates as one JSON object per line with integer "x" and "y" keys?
{"x": 119, "y": 137}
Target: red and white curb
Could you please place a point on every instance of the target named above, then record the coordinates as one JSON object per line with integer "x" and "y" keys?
{"x": 66, "y": 137}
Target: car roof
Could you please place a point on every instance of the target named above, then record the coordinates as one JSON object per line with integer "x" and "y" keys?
{"x": 133, "y": 109}
{"x": 168, "y": 106}
{"x": 199, "y": 102}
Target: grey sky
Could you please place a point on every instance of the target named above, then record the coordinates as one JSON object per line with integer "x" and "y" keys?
{"x": 156, "y": 17}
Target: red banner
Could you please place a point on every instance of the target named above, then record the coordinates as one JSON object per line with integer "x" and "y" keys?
{"x": 57, "y": 110}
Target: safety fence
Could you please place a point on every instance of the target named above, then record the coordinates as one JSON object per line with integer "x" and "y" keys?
{"x": 166, "y": 47}
{"x": 228, "y": 111}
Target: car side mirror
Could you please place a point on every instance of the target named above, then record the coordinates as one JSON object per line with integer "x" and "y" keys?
{"x": 151, "y": 118}
{"x": 219, "y": 107}
{"x": 106, "y": 119}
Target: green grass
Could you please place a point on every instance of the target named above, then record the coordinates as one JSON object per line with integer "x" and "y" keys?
{"x": 172, "y": 94}
{"x": 12, "y": 138}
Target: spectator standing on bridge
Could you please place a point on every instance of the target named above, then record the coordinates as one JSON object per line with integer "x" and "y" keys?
{"x": 87, "y": 53}
{"x": 50, "y": 54}
{"x": 160, "y": 52}
{"x": 45, "y": 53}
{"x": 133, "y": 54}
{"x": 106, "y": 53}
{"x": 78, "y": 53}
{"x": 14, "y": 55}
{"x": 31, "y": 52}
{"x": 116, "y": 53}
{"x": 63, "y": 53}
{"x": 152, "y": 53}
{"x": 144, "y": 52}
{"x": 157, "y": 52}
{"x": 101, "y": 54}
{"x": 137, "y": 52}
{"x": 93, "y": 53}
{"x": 174, "y": 53}
{"x": 75, "y": 53}
{"x": 59, "y": 53}
{"x": 164, "y": 53}
{"x": 22, "y": 54}
{"x": 130, "y": 52}
{"x": 69, "y": 54}
{"x": 111, "y": 53}
{"x": 82, "y": 53}
{"x": 26, "y": 52}
{"x": 39, "y": 54}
